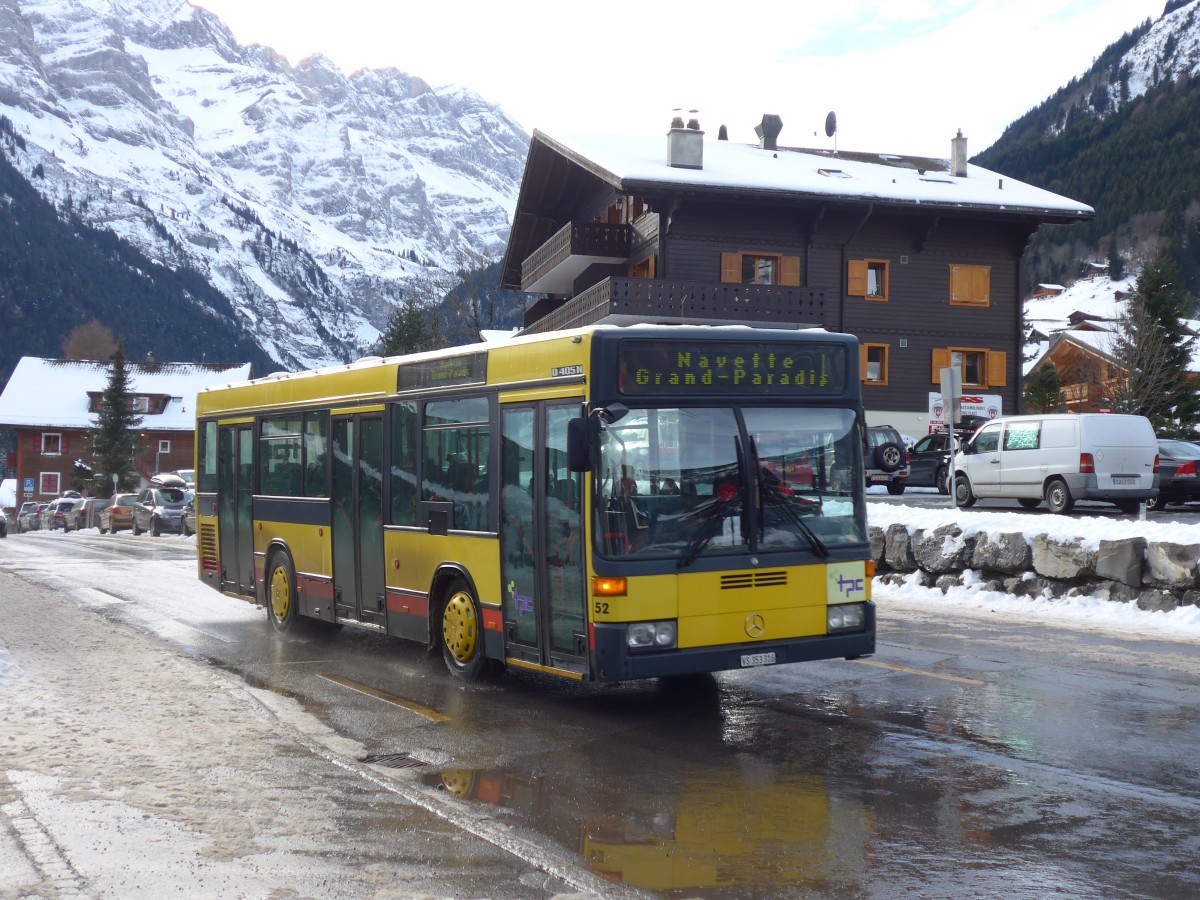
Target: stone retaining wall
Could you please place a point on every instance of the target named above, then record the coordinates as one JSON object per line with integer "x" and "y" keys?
{"x": 1156, "y": 575}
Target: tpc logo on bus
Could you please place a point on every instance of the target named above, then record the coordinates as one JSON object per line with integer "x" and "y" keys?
{"x": 845, "y": 582}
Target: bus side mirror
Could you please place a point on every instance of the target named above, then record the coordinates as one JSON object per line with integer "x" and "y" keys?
{"x": 578, "y": 457}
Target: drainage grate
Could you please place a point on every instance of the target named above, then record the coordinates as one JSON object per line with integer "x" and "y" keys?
{"x": 392, "y": 760}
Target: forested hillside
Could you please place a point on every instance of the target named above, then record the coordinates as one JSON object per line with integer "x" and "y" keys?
{"x": 57, "y": 273}
{"x": 1136, "y": 159}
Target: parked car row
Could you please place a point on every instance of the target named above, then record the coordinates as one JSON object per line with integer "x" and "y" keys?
{"x": 156, "y": 509}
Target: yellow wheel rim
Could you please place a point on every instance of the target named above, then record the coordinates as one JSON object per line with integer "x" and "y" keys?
{"x": 460, "y": 630}
{"x": 281, "y": 593}
{"x": 458, "y": 782}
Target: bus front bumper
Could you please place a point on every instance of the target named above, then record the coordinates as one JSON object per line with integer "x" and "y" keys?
{"x": 612, "y": 660}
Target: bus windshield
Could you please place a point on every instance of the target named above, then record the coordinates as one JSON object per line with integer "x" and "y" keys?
{"x": 679, "y": 483}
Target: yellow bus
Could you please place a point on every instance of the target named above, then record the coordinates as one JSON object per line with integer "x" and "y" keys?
{"x": 603, "y": 504}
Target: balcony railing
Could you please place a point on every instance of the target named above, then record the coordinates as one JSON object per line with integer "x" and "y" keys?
{"x": 552, "y": 267}
{"x": 652, "y": 299}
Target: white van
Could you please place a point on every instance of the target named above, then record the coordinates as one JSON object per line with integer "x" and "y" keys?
{"x": 1060, "y": 458}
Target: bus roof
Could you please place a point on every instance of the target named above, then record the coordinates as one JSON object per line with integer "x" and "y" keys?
{"x": 374, "y": 378}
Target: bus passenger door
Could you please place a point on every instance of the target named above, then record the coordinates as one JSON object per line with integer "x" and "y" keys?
{"x": 541, "y": 537}
{"x": 357, "y": 526}
{"x": 235, "y": 507}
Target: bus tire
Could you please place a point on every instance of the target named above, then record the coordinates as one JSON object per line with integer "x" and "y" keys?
{"x": 282, "y": 607}
{"x": 461, "y": 629}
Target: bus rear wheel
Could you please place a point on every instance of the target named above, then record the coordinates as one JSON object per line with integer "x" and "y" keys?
{"x": 462, "y": 635}
{"x": 281, "y": 594}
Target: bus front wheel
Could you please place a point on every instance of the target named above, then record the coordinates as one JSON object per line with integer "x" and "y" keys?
{"x": 281, "y": 594}
{"x": 462, "y": 635}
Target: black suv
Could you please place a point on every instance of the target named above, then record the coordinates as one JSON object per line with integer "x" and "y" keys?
{"x": 886, "y": 458}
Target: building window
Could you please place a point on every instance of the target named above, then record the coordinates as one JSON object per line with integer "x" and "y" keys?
{"x": 139, "y": 404}
{"x": 970, "y": 285}
{"x": 873, "y": 363}
{"x": 759, "y": 269}
{"x": 979, "y": 368}
{"x": 48, "y": 483}
{"x": 164, "y": 446}
{"x": 748, "y": 267}
{"x": 52, "y": 444}
{"x": 867, "y": 278}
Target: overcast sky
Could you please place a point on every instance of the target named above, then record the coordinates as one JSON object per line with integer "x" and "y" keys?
{"x": 903, "y": 76}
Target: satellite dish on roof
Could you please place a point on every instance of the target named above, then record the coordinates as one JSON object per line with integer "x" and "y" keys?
{"x": 830, "y": 124}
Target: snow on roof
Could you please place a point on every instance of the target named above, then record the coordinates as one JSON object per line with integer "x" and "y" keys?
{"x": 54, "y": 392}
{"x": 861, "y": 176}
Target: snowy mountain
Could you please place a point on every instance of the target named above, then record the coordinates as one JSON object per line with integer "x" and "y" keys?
{"x": 1121, "y": 137}
{"x": 309, "y": 198}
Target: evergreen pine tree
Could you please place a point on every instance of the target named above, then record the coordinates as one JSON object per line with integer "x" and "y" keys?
{"x": 115, "y": 433}
{"x": 1154, "y": 348}
{"x": 409, "y": 331}
{"x": 1116, "y": 265}
{"x": 1044, "y": 392}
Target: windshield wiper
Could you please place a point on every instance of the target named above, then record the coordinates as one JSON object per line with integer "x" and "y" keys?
{"x": 778, "y": 498}
{"x": 714, "y": 515}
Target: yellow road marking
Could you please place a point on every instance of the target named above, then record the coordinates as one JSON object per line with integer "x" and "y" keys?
{"x": 883, "y": 665}
{"x": 387, "y": 698}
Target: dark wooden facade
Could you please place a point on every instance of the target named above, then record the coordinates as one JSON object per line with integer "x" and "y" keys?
{"x": 946, "y": 279}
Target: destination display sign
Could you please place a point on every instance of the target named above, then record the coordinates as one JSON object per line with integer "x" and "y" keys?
{"x": 469, "y": 368}
{"x": 682, "y": 368}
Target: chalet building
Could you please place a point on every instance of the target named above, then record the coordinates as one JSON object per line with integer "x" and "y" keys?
{"x": 1046, "y": 290}
{"x": 1089, "y": 372}
{"x": 917, "y": 257}
{"x": 53, "y": 403}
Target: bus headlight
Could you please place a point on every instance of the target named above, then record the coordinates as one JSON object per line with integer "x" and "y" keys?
{"x": 651, "y": 635}
{"x": 845, "y": 617}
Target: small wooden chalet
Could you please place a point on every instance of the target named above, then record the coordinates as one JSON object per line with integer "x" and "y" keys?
{"x": 53, "y": 405}
{"x": 918, "y": 257}
{"x": 1087, "y": 370}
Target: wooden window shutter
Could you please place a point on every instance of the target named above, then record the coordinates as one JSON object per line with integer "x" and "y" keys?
{"x": 731, "y": 268}
{"x": 62, "y": 445}
{"x": 856, "y": 278}
{"x": 941, "y": 360}
{"x": 981, "y": 288}
{"x": 862, "y": 362}
{"x": 960, "y": 284}
{"x": 997, "y": 368}
{"x": 789, "y": 271}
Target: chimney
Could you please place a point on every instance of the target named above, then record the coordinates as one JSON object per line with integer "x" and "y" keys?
{"x": 768, "y": 131}
{"x": 685, "y": 146}
{"x": 958, "y": 156}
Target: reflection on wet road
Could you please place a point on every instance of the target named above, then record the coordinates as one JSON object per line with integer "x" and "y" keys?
{"x": 969, "y": 758}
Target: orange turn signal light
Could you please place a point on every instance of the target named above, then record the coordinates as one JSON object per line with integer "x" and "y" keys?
{"x": 870, "y": 568}
{"x": 608, "y": 587}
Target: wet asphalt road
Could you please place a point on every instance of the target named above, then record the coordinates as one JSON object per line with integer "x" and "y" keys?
{"x": 970, "y": 757}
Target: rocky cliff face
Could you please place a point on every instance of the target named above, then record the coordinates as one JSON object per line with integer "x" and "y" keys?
{"x": 310, "y": 198}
